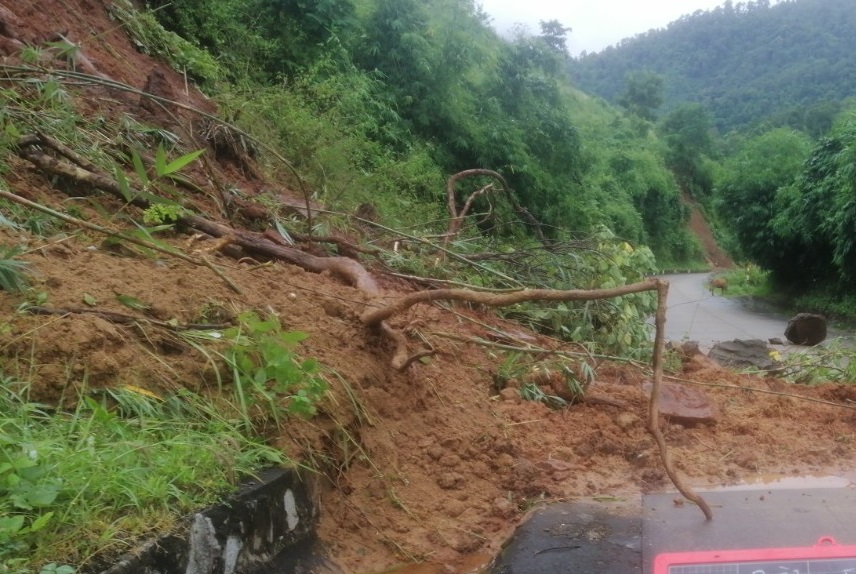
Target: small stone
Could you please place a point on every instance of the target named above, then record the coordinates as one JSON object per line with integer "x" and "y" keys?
{"x": 553, "y": 466}
{"x": 685, "y": 349}
{"x": 564, "y": 453}
{"x": 450, "y": 460}
{"x": 332, "y": 308}
{"x": 504, "y": 461}
{"x": 454, "y": 508}
{"x": 435, "y": 451}
{"x": 747, "y": 460}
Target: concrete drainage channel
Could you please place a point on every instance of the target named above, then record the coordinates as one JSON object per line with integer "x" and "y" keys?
{"x": 268, "y": 527}
{"x": 268, "y": 521}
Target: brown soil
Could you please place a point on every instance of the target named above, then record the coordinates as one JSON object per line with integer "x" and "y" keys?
{"x": 713, "y": 253}
{"x": 430, "y": 464}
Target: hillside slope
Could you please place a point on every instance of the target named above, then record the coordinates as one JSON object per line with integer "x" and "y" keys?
{"x": 433, "y": 463}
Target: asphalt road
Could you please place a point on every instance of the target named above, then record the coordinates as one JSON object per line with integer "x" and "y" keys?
{"x": 694, "y": 314}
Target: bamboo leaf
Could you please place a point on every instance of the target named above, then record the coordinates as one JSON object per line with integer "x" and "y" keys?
{"x": 139, "y": 168}
{"x": 124, "y": 186}
{"x": 179, "y": 163}
{"x": 160, "y": 161}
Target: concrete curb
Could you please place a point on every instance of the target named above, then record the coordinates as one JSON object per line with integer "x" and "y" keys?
{"x": 265, "y": 517}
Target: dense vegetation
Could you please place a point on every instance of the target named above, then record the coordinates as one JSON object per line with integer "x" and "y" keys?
{"x": 752, "y": 102}
{"x": 789, "y": 63}
{"x": 791, "y": 202}
{"x": 378, "y": 101}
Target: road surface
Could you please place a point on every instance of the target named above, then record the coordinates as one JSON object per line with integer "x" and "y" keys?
{"x": 694, "y": 314}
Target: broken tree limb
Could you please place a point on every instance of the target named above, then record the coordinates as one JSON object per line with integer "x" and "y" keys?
{"x": 59, "y": 167}
{"x": 373, "y": 317}
{"x": 401, "y": 360}
{"x": 376, "y": 318}
{"x": 64, "y": 151}
{"x": 654, "y": 403}
{"x": 350, "y": 271}
{"x": 506, "y": 191}
{"x": 456, "y": 220}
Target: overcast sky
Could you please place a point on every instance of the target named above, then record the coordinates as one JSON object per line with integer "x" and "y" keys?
{"x": 596, "y": 24}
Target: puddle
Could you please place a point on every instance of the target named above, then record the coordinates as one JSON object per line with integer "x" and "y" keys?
{"x": 786, "y": 482}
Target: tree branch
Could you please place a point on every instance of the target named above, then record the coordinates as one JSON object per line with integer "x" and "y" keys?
{"x": 373, "y": 317}
{"x": 654, "y": 403}
{"x": 506, "y": 190}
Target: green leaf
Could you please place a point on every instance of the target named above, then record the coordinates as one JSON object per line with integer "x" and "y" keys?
{"x": 132, "y": 302}
{"x": 90, "y": 300}
{"x": 124, "y": 185}
{"x": 160, "y": 161}
{"x": 179, "y": 163}
{"x": 42, "y": 495}
{"x": 140, "y": 168}
{"x": 41, "y": 521}
{"x": 11, "y": 524}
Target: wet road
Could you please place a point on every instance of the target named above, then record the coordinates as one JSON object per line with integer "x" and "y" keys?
{"x": 696, "y": 315}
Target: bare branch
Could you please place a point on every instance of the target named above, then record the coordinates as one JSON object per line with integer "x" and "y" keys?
{"x": 654, "y": 403}
{"x": 375, "y": 316}
{"x": 505, "y": 189}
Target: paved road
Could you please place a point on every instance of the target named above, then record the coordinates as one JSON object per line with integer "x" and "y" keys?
{"x": 694, "y": 314}
{"x": 626, "y": 536}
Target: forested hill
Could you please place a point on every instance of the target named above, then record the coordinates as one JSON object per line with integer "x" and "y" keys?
{"x": 745, "y": 62}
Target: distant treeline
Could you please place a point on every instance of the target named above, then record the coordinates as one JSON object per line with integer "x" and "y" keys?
{"x": 791, "y": 63}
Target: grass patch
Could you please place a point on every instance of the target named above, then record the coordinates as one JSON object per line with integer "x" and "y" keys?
{"x": 749, "y": 281}
{"x": 87, "y": 483}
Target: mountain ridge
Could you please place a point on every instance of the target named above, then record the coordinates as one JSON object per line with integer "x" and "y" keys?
{"x": 746, "y": 63}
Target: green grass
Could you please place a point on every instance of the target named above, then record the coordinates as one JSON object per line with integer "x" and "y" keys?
{"x": 87, "y": 483}
{"x": 748, "y": 281}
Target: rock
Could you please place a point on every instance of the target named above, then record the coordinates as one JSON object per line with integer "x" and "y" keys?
{"x": 685, "y": 349}
{"x": 684, "y": 405}
{"x": 776, "y": 341}
{"x": 742, "y": 353}
{"x": 806, "y": 329}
